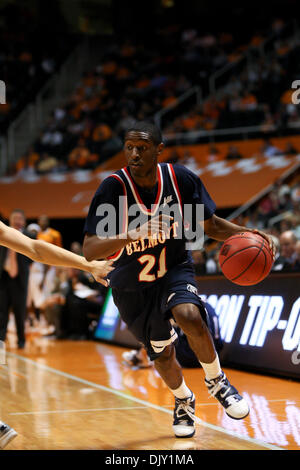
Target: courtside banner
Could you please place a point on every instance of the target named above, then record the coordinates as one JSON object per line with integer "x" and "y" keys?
{"x": 259, "y": 325}
{"x": 230, "y": 183}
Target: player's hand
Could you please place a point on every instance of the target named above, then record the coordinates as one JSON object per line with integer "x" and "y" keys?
{"x": 100, "y": 269}
{"x": 268, "y": 238}
{"x": 158, "y": 224}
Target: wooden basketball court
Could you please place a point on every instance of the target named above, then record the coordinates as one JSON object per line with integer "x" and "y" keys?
{"x": 67, "y": 395}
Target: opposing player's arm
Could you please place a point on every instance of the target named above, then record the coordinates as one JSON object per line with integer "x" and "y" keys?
{"x": 47, "y": 253}
{"x": 220, "y": 229}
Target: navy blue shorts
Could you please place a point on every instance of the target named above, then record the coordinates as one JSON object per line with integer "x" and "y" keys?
{"x": 147, "y": 312}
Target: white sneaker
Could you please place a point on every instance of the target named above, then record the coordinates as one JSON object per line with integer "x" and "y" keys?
{"x": 7, "y": 434}
{"x": 184, "y": 419}
{"x": 234, "y": 404}
{"x": 135, "y": 358}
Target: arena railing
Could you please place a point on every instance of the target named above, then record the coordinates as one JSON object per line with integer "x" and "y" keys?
{"x": 243, "y": 133}
{"x": 194, "y": 92}
{"x": 291, "y": 29}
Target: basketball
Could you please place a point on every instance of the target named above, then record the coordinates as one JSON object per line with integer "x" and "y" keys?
{"x": 245, "y": 259}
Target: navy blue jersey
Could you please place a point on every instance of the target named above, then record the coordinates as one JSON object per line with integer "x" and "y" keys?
{"x": 144, "y": 262}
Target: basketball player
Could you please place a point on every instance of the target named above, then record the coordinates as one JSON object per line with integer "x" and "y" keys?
{"x": 153, "y": 278}
{"x": 44, "y": 252}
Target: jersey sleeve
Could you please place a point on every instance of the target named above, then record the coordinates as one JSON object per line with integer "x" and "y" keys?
{"x": 193, "y": 191}
{"x": 104, "y": 217}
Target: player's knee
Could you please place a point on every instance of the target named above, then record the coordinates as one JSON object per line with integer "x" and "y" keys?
{"x": 166, "y": 355}
{"x": 189, "y": 318}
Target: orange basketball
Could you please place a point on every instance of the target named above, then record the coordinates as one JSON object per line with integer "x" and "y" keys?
{"x": 245, "y": 258}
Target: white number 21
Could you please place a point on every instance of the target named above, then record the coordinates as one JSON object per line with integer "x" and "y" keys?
{"x": 150, "y": 260}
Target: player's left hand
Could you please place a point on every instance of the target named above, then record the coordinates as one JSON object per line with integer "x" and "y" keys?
{"x": 269, "y": 239}
{"x": 100, "y": 269}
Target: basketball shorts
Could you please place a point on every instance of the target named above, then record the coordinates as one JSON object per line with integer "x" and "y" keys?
{"x": 147, "y": 311}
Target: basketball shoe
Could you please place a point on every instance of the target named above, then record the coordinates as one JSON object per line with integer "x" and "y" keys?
{"x": 137, "y": 358}
{"x": 184, "y": 417}
{"x": 6, "y": 434}
{"x": 234, "y": 404}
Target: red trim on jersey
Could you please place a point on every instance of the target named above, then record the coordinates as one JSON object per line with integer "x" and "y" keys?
{"x": 138, "y": 197}
{"x": 176, "y": 185}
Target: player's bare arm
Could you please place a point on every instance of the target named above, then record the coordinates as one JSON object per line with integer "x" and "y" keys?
{"x": 96, "y": 247}
{"x": 221, "y": 229}
{"x": 47, "y": 253}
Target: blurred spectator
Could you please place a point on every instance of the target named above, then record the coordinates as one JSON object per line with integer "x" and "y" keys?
{"x": 267, "y": 208}
{"x": 47, "y": 233}
{"x": 35, "y": 297}
{"x": 290, "y": 149}
{"x": 277, "y": 252}
{"x": 199, "y": 258}
{"x": 233, "y": 153}
{"x": 53, "y": 305}
{"x": 47, "y": 282}
{"x": 76, "y": 247}
{"x": 253, "y": 220}
{"x": 46, "y": 164}
{"x": 295, "y": 194}
{"x": 84, "y": 296}
{"x": 288, "y": 255}
{"x": 213, "y": 154}
{"x": 14, "y": 274}
{"x": 80, "y": 156}
{"x": 212, "y": 263}
{"x": 270, "y": 150}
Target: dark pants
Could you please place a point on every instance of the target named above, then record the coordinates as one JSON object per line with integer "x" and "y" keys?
{"x": 77, "y": 311}
{"x": 13, "y": 296}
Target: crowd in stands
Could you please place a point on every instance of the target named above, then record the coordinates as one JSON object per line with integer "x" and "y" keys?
{"x": 134, "y": 82}
{"x": 277, "y": 213}
{"x": 29, "y": 54}
{"x": 258, "y": 95}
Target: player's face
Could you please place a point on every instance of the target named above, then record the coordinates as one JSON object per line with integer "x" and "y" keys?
{"x": 141, "y": 153}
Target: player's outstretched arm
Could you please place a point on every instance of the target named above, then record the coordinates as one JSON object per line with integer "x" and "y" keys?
{"x": 53, "y": 255}
{"x": 221, "y": 229}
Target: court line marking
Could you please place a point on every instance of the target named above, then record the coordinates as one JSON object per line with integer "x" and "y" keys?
{"x": 119, "y": 408}
{"x": 87, "y": 410}
{"x": 141, "y": 402}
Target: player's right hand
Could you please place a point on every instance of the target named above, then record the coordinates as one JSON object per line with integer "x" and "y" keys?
{"x": 158, "y": 224}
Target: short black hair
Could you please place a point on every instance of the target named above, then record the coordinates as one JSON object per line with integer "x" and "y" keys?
{"x": 148, "y": 127}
